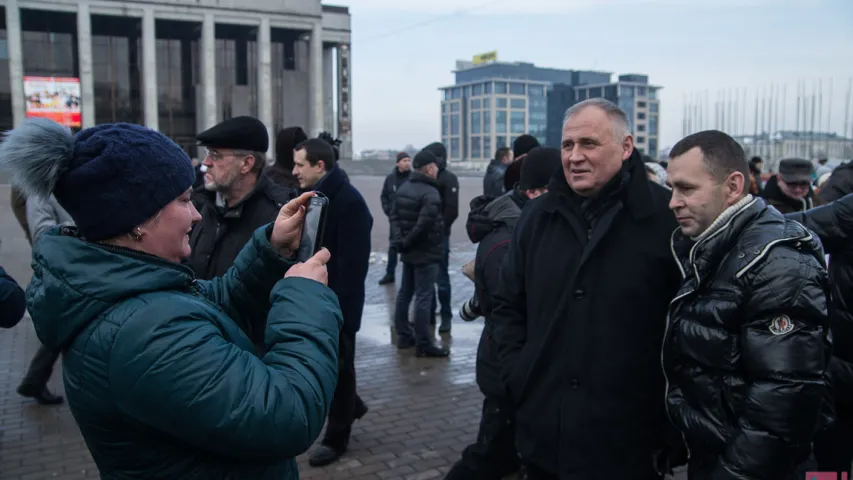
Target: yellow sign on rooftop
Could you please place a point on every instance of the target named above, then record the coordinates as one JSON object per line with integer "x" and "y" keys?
{"x": 486, "y": 57}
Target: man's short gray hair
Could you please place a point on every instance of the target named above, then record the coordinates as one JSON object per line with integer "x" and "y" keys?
{"x": 619, "y": 119}
{"x": 260, "y": 159}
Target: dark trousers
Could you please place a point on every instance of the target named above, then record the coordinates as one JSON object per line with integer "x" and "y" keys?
{"x": 346, "y": 404}
{"x": 41, "y": 368}
{"x": 392, "y": 259}
{"x": 493, "y": 456}
{"x": 701, "y": 469}
{"x": 418, "y": 283}
{"x": 443, "y": 282}
{"x": 536, "y": 473}
{"x": 833, "y": 448}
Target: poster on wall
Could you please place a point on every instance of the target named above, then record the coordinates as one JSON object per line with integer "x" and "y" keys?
{"x": 56, "y": 98}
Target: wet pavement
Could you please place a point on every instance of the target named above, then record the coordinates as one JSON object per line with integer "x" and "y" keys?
{"x": 423, "y": 412}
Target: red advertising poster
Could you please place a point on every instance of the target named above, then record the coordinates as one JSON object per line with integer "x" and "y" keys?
{"x": 56, "y": 98}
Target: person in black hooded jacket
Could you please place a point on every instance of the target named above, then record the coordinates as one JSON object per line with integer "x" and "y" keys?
{"x": 833, "y": 223}
{"x": 490, "y": 224}
{"x": 493, "y": 180}
{"x": 448, "y": 188}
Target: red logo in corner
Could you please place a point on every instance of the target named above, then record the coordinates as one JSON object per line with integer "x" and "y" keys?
{"x": 825, "y": 476}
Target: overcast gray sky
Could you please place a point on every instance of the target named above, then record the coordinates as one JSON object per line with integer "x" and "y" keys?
{"x": 403, "y": 50}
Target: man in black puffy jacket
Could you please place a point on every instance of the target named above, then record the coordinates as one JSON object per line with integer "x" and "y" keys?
{"x": 417, "y": 234}
{"x": 746, "y": 350}
{"x": 490, "y": 224}
{"x": 448, "y": 189}
{"x": 833, "y": 223}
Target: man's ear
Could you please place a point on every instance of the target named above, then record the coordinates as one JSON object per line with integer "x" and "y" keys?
{"x": 627, "y": 147}
{"x": 248, "y": 164}
{"x": 322, "y": 164}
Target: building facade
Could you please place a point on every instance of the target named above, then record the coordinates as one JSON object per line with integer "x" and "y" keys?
{"x": 491, "y": 104}
{"x": 180, "y": 66}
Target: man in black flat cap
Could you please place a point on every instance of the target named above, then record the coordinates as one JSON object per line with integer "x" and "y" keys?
{"x": 791, "y": 189}
{"x": 235, "y": 199}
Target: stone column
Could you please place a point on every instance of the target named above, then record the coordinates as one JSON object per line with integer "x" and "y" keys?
{"x": 265, "y": 80}
{"x": 84, "y": 58}
{"x": 208, "y": 70}
{"x": 16, "y": 61}
{"x": 344, "y": 117}
{"x": 315, "y": 56}
{"x": 329, "y": 120}
{"x": 149, "y": 69}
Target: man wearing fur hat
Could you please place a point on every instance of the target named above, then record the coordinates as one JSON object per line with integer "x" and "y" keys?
{"x": 236, "y": 198}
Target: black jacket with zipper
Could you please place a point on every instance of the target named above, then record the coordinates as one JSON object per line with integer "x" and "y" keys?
{"x": 490, "y": 224}
{"x": 578, "y": 317}
{"x": 747, "y": 346}
{"x": 833, "y": 223}
{"x": 417, "y": 228}
{"x": 224, "y": 230}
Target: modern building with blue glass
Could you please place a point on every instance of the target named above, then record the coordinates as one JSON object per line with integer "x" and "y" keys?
{"x": 493, "y": 103}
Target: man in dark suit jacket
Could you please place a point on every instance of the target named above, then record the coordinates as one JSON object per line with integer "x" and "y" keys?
{"x": 347, "y": 236}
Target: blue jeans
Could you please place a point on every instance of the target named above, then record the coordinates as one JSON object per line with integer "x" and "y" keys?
{"x": 443, "y": 281}
{"x": 392, "y": 258}
{"x": 418, "y": 282}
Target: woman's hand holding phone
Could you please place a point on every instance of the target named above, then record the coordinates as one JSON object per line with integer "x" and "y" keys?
{"x": 313, "y": 269}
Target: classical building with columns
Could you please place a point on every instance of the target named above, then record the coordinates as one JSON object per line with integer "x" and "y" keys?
{"x": 181, "y": 66}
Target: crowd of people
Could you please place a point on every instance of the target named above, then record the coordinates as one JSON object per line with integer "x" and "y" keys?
{"x": 639, "y": 315}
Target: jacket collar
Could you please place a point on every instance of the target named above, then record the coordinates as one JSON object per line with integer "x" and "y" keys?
{"x": 638, "y": 198}
{"x": 706, "y": 251}
{"x": 331, "y": 183}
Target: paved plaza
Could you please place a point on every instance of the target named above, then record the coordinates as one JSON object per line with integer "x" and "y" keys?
{"x": 423, "y": 412}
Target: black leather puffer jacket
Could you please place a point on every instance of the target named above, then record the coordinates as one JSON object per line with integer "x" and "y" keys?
{"x": 417, "y": 226}
{"x": 746, "y": 348}
{"x": 833, "y": 223}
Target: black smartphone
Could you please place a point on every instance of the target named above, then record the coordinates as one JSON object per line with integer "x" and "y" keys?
{"x": 313, "y": 228}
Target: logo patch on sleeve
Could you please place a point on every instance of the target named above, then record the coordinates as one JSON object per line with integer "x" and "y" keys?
{"x": 781, "y": 325}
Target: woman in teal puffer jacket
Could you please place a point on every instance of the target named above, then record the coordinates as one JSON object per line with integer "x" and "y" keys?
{"x": 158, "y": 370}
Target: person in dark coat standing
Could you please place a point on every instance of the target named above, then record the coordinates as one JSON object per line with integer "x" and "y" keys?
{"x": 747, "y": 346}
{"x": 833, "y": 223}
{"x": 13, "y": 302}
{"x": 393, "y": 182}
{"x": 347, "y": 236}
{"x": 490, "y": 224}
{"x": 281, "y": 173}
{"x": 840, "y": 183}
{"x": 493, "y": 180}
{"x": 791, "y": 189}
{"x": 418, "y": 230}
{"x": 236, "y": 200}
{"x": 448, "y": 189}
{"x": 580, "y": 308}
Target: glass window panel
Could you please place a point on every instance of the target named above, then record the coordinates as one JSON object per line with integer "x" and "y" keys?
{"x": 500, "y": 102}
{"x": 517, "y": 122}
{"x": 475, "y": 104}
{"x": 487, "y": 88}
{"x": 454, "y": 124}
{"x": 517, "y": 103}
{"x": 487, "y": 121}
{"x": 500, "y": 121}
{"x": 516, "y": 89}
{"x": 475, "y": 122}
{"x": 476, "y": 150}
{"x": 500, "y": 142}
{"x": 500, "y": 87}
{"x": 454, "y": 147}
{"x": 477, "y": 90}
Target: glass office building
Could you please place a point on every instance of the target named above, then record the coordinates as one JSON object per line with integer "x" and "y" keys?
{"x": 492, "y": 104}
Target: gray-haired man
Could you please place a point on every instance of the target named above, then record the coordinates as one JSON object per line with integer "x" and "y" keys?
{"x": 580, "y": 310}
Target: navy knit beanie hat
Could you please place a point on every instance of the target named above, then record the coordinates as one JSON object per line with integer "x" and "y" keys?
{"x": 110, "y": 178}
